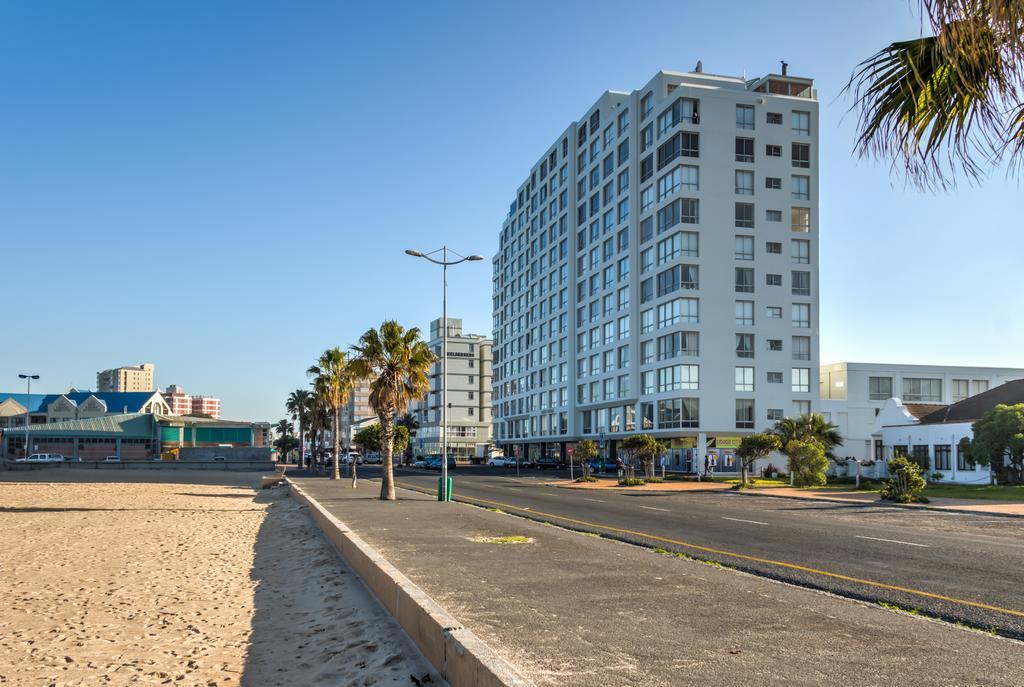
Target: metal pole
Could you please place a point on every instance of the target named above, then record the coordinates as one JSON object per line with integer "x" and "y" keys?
{"x": 444, "y": 375}
{"x": 27, "y": 411}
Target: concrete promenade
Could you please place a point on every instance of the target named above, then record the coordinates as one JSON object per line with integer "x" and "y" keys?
{"x": 572, "y": 609}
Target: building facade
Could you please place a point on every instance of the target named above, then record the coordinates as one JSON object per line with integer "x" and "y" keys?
{"x": 181, "y": 403}
{"x": 43, "y": 409}
{"x": 657, "y": 271}
{"x": 469, "y": 396}
{"x": 357, "y": 412}
{"x": 854, "y": 394}
{"x": 130, "y": 378}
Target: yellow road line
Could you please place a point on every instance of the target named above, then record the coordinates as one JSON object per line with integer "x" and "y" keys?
{"x": 746, "y": 557}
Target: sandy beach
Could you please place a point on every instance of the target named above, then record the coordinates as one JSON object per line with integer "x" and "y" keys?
{"x": 184, "y": 579}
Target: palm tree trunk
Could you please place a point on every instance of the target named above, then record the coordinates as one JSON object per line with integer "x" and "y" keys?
{"x": 387, "y": 435}
{"x": 336, "y": 473}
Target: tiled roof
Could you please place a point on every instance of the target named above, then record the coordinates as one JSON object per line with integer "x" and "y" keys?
{"x": 971, "y": 409}
{"x": 127, "y": 425}
{"x": 922, "y": 410}
{"x": 116, "y": 401}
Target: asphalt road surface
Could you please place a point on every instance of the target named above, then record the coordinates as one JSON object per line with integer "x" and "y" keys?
{"x": 955, "y": 566}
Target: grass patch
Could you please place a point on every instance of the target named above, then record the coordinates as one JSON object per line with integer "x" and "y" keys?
{"x": 509, "y": 539}
{"x": 986, "y": 492}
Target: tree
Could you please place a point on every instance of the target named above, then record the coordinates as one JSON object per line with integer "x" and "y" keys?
{"x": 645, "y": 448}
{"x": 585, "y": 451}
{"x": 332, "y": 382}
{"x": 285, "y": 442}
{"x": 398, "y": 361}
{"x": 283, "y": 428}
{"x": 297, "y": 406}
{"x": 999, "y": 442}
{"x": 807, "y": 462}
{"x": 808, "y": 427}
{"x": 946, "y": 102}
{"x": 370, "y": 438}
{"x": 905, "y": 482}
{"x": 754, "y": 446}
{"x": 411, "y": 424}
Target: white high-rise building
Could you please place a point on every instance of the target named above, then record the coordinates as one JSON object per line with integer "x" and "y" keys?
{"x": 658, "y": 271}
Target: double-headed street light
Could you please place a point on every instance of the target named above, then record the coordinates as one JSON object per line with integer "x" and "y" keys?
{"x": 28, "y": 407}
{"x": 443, "y": 493}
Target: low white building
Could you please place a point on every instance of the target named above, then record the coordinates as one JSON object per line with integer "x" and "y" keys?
{"x": 854, "y": 394}
{"x": 932, "y": 440}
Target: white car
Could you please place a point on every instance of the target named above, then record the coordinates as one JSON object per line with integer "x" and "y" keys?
{"x": 501, "y": 462}
{"x": 42, "y": 458}
{"x": 114, "y": 459}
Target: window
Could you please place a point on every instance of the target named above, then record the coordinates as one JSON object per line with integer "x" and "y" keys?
{"x": 624, "y": 121}
{"x": 744, "y": 379}
{"x": 682, "y": 243}
{"x": 744, "y": 247}
{"x": 745, "y": 182}
{"x": 922, "y": 390}
{"x": 774, "y": 184}
{"x": 879, "y": 388}
{"x": 801, "y": 348}
{"x": 646, "y": 168}
{"x": 682, "y": 110}
{"x": 646, "y": 138}
{"x": 961, "y": 389}
{"x": 772, "y": 151}
{"x": 773, "y": 118}
{"x": 647, "y": 351}
{"x": 647, "y": 290}
{"x": 801, "y": 123}
{"x": 745, "y": 117}
{"x": 773, "y": 247}
{"x": 646, "y": 105}
{"x": 677, "y": 311}
{"x": 775, "y": 378}
{"x": 801, "y": 407}
{"x": 978, "y": 386}
{"x": 744, "y": 345}
{"x": 685, "y": 344}
{"x": 646, "y": 321}
{"x": 646, "y": 260}
{"x": 683, "y": 143}
{"x": 646, "y": 199}
{"x": 962, "y": 461}
{"x": 745, "y": 215}
{"x": 744, "y": 280}
{"x": 801, "y": 155}
{"x": 801, "y": 283}
{"x": 745, "y": 313}
{"x": 801, "y": 251}
{"x": 801, "y": 379}
{"x": 802, "y": 315}
{"x": 773, "y": 312}
{"x": 679, "y": 377}
{"x": 647, "y": 382}
{"x": 744, "y": 149}
{"x": 943, "y": 456}
{"x": 744, "y": 413}
{"x": 670, "y": 183}
{"x": 774, "y": 414}
{"x": 800, "y": 219}
{"x": 801, "y": 188}
{"x": 773, "y": 279}
{"x": 775, "y": 345}
{"x": 675, "y": 413}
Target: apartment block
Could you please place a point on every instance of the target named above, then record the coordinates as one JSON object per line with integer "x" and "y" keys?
{"x": 181, "y": 403}
{"x": 853, "y": 395}
{"x": 129, "y": 378}
{"x": 657, "y": 271}
{"x": 469, "y": 395}
{"x": 357, "y": 412}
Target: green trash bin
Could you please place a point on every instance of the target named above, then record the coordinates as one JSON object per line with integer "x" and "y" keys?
{"x": 440, "y": 495}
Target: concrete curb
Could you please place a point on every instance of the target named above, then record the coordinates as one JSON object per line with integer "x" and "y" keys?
{"x": 879, "y": 502}
{"x": 460, "y": 656}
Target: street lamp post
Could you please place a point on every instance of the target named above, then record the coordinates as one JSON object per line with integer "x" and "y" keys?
{"x": 444, "y": 262}
{"x": 28, "y": 408}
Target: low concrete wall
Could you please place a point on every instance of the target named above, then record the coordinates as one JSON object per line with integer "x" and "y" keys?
{"x": 232, "y": 466}
{"x": 229, "y": 453}
{"x": 458, "y": 654}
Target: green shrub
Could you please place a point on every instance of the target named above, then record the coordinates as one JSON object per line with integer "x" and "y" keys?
{"x": 631, "y": 482}
{"x": 905, "y": 482}
{"x": 808, "y": 462}
{"x": 586, "y": 478}
{"x": 653, "y": 480}
{"x": 937, "y": 476}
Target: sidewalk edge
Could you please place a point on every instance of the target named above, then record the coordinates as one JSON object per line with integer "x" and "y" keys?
{"x": 879, "y": 502}
{"x": 456, "y": 652}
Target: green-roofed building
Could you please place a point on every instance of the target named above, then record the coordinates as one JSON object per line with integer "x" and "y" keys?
{"x": 129, "y": 436}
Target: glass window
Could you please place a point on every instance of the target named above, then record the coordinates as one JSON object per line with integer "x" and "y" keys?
{"x": 744, "y": 248}
{"x": 801, "y": 123}
{"x": 801, "y": 187}
{"x": 745, "y": 313}
{"x": 745, "y": 345}
{"x": 801, "y": 379}
{"x": 745, "y": 215}
{"x": 801, "y": 347}
{"x": 744, "y": 149}
{"x": 801, "y": 315}
{"x": 744, "y": 379}
{"x": 801, "y": 155}
{"x": 775, "y": 378}
{"x": 879, "y": 388}
{"x": 745, "y": 182}
{"x": 744, "y": 413}
{"x": 801, "y": 283}
{"x": 801, "y": 251}
{"x": 800, "y": 219}
{"x": 745, "y": 117}
{"x": 922, "y": 390}
{"x": 744, "y": 280}
{"x": 773, "y": 247}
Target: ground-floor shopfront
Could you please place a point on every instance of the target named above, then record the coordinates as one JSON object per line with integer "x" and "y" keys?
{"x": 699, "y": 453}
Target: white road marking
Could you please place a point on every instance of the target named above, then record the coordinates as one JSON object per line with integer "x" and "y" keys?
{"x": 665, "y": 510}
{"x": 752, "y": 522}
{"x": 893, "y": 541}
{"x": 594, "y": 500}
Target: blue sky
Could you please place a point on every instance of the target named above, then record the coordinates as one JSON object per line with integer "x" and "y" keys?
{"x": 226, "y": 188}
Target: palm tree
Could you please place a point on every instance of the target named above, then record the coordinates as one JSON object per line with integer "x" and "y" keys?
{"x": 398, "y": 362}
{"x": 332, "y": 382}
{"x": 950, "y": 101}
{"x": 297, "y": 406}
{"x": 283, "y": 429}
{"x": 808, "y": 428}
{"x": 319, "y": 424}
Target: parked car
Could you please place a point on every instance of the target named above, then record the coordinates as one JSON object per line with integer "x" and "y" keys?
{"x": 374, "y": 458}
{"x": 434, "y": 463}
{"x": 72, "y": 459}
{"x": 420, "y": 462}
{"x": 112, "y": 459}
{"x": 41, "y": 458}
{"x": 599, "y": 465}
{"x": 545, "y": 462}
{"x": 501, "y": 462}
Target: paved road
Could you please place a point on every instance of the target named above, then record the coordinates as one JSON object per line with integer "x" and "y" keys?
{"x": 960, "y": 567}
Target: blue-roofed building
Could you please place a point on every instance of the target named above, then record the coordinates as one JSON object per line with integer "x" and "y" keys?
{"x": 76, "y": 405}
